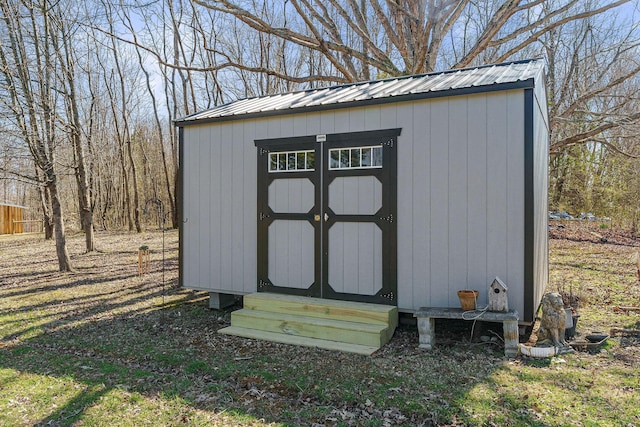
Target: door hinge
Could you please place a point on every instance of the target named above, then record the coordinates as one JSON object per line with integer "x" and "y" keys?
{"x": 389, "y": 143}
{"x": 388, "y": 218}
{"x": 263, "y": 151}
{"x": 262, "y": 283}
{"x": 389, "y": 295}
{"x": 263, "y": 216}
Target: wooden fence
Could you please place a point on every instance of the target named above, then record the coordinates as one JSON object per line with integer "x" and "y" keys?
{"x": 12, "y": 220}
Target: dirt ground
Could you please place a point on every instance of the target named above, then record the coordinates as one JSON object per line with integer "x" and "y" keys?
{"x": 592, "y": 231}
{"x": 106, "y": 289}
{"x": 116, "y": 263}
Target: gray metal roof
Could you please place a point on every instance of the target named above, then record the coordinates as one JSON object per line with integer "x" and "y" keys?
{"x": 503, "y": 76}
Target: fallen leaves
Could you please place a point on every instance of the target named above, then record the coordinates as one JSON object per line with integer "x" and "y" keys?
{"x": 105, "y": 325}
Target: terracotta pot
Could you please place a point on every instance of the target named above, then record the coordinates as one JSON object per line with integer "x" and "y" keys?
{"x": 468, "y": 299}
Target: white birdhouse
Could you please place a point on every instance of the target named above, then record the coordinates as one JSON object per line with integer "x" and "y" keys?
{"x": 498, "y": 296}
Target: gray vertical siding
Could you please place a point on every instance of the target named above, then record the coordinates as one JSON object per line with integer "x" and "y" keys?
{"x": 495, "y": 192}
{"x": 515, "y": 206}
{"x": 219, "y": 208}
{"x": 249, "y": 213}
{"x": 460, "y": 195}
{"x": 460, "y": 205}
{"x": 478, "y": 163}
{"x": 414, "y": 254}
{"x": 437, "y": 234}
{"x": 541, "y": 183}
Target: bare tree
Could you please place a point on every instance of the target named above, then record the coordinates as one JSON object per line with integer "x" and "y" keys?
{"x": 26, "y": 64}
{"x": 594, "y": 84}
{"x": 98, "y": 93}
{"x": 414, "y": 30}
{"x": 114, "y": 73}
{"x": 157, "y": 120}
{"x": 61, "y": 42}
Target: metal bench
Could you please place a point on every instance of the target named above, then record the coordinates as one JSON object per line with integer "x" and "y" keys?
{"x": 426, "y": 324}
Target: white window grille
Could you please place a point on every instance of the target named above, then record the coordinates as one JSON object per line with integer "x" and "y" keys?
{"x": 292, "y": 161}
{"x": 369, "y": 157}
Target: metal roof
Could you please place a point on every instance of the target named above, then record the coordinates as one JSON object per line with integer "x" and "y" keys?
{"x": 508, "y": 75}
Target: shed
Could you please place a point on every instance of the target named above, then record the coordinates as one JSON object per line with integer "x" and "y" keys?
{"x": 399, "y": 191}
{"x": 11, "y": 218}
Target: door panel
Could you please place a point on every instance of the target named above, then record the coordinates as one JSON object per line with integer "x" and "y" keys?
{"x": 294, "y": 195}
{"x": 359, "y": 188}
{"x": 288, "y": 199}
{"x": 291, "y": 254}
{"x": 355, "y": 258}
{"x": 355, "y": 195}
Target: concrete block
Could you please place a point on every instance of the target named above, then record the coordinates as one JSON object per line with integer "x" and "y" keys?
{"x": 219, "y": 300}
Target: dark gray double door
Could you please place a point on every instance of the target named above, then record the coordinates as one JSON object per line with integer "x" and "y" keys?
{"x": 327, "y": 216}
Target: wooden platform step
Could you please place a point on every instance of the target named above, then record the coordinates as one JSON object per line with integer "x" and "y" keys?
{"x": 323, "y": 308}
{"x": 301, "y": 341}
{"x": 312, "y": 327}
{"x": 336, "y": 325}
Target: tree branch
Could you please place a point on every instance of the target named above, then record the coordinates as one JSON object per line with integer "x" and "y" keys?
{"x": 534, "y": 37}
{"x": 590, "y": 134}
{"x": 496, "y": 22}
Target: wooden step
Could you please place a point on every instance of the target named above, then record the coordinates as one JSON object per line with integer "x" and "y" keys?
{"x": 312, "y": 327}
{"x": 335, "y": 325}
{"x": 323, "y": 308}
{"x": 298, "y": 340}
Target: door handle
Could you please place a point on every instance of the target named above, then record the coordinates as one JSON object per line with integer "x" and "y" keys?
{"x": 316, "y": 217}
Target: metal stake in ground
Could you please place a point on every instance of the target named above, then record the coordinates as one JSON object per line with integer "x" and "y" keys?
{"x": 162, "y": 215}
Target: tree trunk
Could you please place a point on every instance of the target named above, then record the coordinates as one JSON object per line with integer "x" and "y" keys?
{"x": 85, "y": 210}
{"x": 48, "y": 217}
{"x": 127, "y": 195}
{"x": 64, "y": 262}
{"x": 126, "y": 133}
{"x": 45, "y": 203}
{"x": 136, "y": 192}
{"x": 47, "y": 221}
{"x": 172, "y": 200}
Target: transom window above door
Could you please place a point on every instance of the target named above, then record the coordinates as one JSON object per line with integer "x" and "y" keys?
{"x": 369, "y": 157}
{"x": 292, "y": 161}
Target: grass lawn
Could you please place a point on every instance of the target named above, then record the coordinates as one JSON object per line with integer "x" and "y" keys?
{"x": 104, "y": 347}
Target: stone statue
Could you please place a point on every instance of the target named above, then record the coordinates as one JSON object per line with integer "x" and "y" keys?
{"x": 553, "y": 323}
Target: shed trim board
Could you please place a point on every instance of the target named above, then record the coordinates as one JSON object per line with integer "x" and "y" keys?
{"x": 471, "y": 186}
{"x": 529, "y": 210}
{"x": 180, "y": 194}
